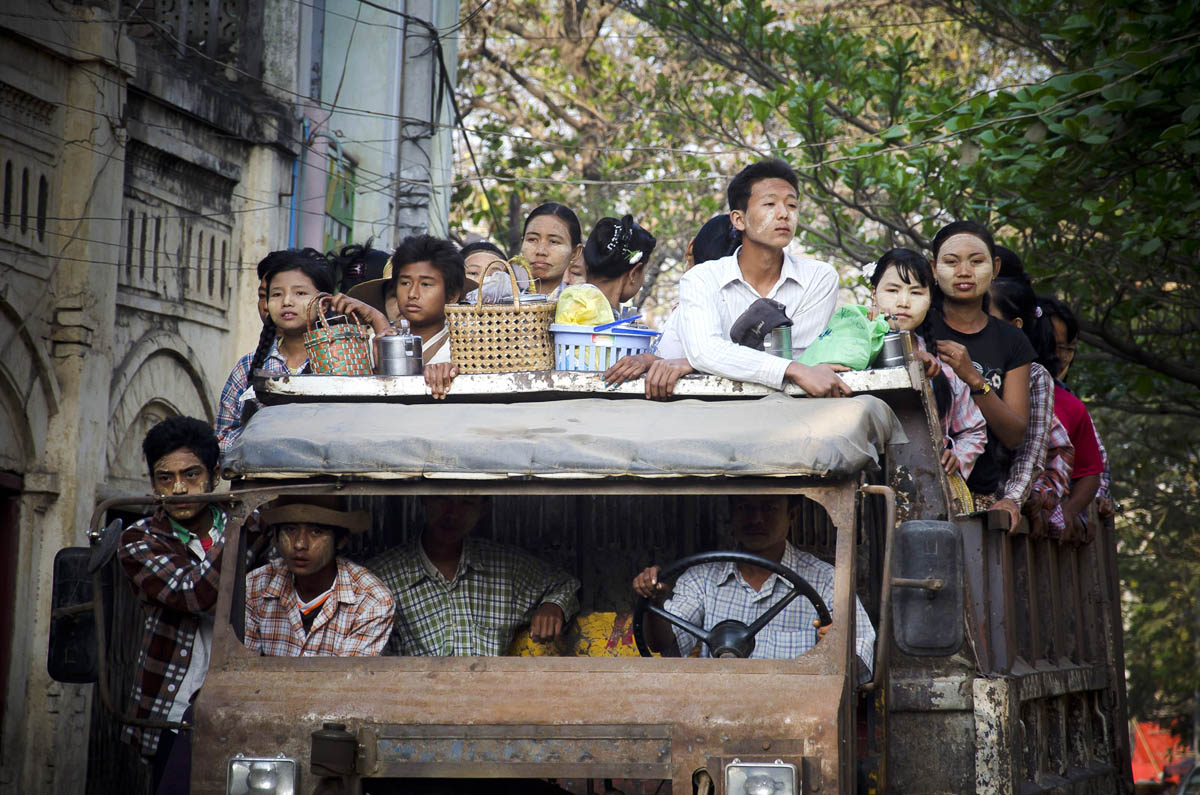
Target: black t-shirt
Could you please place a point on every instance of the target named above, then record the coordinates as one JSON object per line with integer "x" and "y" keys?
{"x": 994, "y": 351}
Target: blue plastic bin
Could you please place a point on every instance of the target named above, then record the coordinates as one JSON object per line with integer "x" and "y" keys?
{"x": 582, "y": 348}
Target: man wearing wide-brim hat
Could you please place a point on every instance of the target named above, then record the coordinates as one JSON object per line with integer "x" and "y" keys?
{"x": 310, "y": 602}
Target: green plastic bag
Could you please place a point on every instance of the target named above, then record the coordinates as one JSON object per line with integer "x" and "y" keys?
{"x": 849, "y": 339}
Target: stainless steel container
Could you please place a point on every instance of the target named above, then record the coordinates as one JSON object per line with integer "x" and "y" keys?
{"x": 898, "y": 348}
{"x": 400, "y": 354}
{"x": 779, "y": 342}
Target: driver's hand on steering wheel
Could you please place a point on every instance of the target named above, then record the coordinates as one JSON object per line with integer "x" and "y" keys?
{"x": 821, "y": 630}
{"x": 646, "y": 584}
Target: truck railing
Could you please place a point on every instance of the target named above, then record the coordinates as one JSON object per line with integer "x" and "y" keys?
{"x": 1049, "y": 704}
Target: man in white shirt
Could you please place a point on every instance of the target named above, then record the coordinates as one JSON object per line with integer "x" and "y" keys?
{"x": 764, "y": 208}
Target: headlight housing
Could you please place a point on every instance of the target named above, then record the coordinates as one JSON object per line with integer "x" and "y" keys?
{"x": 761, "y": 778}
{"x": 261, "y": 775}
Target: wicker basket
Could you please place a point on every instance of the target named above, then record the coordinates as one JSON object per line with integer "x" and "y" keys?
{"x": 344, "y": 349}
{"x": 502, "y": 338}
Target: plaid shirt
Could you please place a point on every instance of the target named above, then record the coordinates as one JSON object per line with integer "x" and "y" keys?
{"x": 175, "y": 589}
{"x": 710, "y": 593}
{"x": 496, "y": 590}
{"x": 1029, "y": 459}
{"x": 354, "y": 621}
{"x": 229, "y": 412}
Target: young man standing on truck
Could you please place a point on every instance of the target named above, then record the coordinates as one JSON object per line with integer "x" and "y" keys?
{"x": 710, "y": 593}
{"x": 462, "y": 597}
{"x": 311, "y": 602}
{"x": 173, "y": 561}
{"x": 764, "y": 207}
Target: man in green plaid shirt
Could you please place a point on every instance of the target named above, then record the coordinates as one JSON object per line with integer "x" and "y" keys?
{"x": 461, "y": 596}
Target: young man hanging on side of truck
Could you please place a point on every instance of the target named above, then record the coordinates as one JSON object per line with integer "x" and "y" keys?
{"x": 173, "y": 561}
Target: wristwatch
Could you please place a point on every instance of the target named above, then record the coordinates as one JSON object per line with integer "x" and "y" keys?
{"x": 983, "y": 390}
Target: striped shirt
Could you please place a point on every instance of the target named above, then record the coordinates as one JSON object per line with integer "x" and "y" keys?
{"x": 355, "y": 621}
{"x": 710, "y": 593}
{"x": 713, "y": 295}
{"x": 495, "y": 590}
{"x": 229, "y": 411}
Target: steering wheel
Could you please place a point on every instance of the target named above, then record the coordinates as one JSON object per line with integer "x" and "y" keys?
{"x": 729, "y": 638}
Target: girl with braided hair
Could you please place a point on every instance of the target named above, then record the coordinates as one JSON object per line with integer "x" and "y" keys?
{"x": 291, "y": 278}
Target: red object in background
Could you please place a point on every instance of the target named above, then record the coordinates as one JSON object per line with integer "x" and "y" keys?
{"x": 1154, "y": 748}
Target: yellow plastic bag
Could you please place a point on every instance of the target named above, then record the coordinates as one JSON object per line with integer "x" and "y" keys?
{"x": 583, "y": 305}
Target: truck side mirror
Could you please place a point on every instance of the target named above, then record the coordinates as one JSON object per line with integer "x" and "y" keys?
{"x": 927, "y": 588}
{"x": 71, "y": 654}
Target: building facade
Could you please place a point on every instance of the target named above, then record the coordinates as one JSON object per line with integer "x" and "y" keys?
{"x": 148, "y": 160}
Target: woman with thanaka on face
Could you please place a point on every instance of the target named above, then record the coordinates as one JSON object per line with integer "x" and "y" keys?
{"x": 292, "y": 279}
{"x": 479, "y": 257}
{"x": 551, "y": 241}
{"x": 990, "y": 356}
{"x": 903, "y": 288}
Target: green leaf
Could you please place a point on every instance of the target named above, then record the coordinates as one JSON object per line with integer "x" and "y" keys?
{"x": 1087, "y": 82}
{"x": 1150, "y": 246}
{"x": 1175, "y": 132}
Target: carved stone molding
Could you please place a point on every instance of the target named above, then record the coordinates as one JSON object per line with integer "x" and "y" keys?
{"x": 26, "y": 106}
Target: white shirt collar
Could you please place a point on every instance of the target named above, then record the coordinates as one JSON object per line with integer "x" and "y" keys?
{"x": 728, "y": 270}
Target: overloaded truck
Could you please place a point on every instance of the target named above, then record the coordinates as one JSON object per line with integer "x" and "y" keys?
{"x": 998, "y": 665}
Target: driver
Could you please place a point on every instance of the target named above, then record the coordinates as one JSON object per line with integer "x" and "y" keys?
{"x": 710, "y": 593}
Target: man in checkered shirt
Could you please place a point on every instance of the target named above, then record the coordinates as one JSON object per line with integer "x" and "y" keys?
{"x": 462, "y": 596}
{"x": 173, "y": 561}
{"x": 311, "y": 602}
{"x": 710, "y": 593}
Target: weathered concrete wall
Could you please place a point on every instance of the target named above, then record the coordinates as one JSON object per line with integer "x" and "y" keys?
{"x": 142, "y": 188}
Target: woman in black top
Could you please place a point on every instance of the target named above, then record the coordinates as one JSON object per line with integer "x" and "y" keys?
{"x": 991, "y": 356}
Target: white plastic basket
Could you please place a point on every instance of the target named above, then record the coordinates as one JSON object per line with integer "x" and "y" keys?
{"x": 582, "y": 348}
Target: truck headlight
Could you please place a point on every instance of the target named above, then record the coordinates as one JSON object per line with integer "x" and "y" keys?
{"x": 261, "y": 775}
{"x": 761, "y": 778}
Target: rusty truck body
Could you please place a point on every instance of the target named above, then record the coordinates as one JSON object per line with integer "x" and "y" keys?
{"x": 998, "y": 666}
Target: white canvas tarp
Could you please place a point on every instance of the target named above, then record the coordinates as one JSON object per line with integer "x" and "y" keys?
{"x": 775, "y": 435}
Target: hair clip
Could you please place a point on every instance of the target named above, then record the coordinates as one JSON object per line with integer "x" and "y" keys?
{"x": 1038, "y": 312}
{"x": 868, "y": 270}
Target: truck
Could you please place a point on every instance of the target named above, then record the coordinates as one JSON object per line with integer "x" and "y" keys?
{"x": 998, "y": 665}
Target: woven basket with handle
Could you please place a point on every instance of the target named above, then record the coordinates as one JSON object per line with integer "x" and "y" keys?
{"x": 501, "y": 338}
{"x": 344, "y": 349}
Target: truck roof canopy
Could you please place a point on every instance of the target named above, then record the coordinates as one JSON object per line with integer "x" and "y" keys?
{"x": 588, "y": 438}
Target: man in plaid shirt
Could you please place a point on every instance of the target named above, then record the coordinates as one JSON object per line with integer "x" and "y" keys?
{"x": 461, "y": 596}
{"x": 710, "y": 593}
{"x": 313, "y": 603}
{"x": 173, "y": 561}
